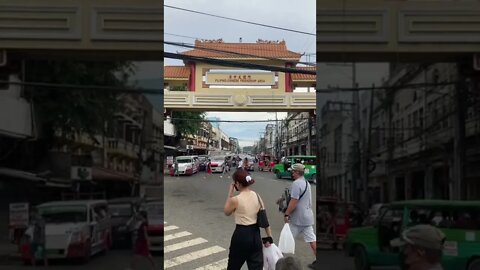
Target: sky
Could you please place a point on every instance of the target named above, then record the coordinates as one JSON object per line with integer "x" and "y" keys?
{"x": 279, "y": 13}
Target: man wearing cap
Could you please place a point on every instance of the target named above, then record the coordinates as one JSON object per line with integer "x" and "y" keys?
{"x": 422, "y": 247}
{"x": 299, "y": 213}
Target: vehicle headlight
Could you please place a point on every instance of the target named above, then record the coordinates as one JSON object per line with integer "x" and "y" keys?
{"x": 76, "y": 237}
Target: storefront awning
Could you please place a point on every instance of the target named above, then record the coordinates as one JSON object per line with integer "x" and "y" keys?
{"x": 101, "y": 174}
{"x": 21, "y": 174}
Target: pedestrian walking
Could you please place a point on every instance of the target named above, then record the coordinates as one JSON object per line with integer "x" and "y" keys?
{"x": 141, "y": 247}
{"x": 175, "y": 170}
{"x": 208, "y": 169}
{"x": 225, "y": 168}
{"x": 246, "y": 242}
{"x": 299, "y": 213}
{"x": 422, "y": 247}
{"x": 37, "y": 238}
{"x": 245, "y": 164}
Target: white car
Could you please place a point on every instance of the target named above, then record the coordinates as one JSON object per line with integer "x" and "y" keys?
{"x": 75, "y": 229}
{"x": 187, "y": 165}
{"x": 217, "y": 163}
{"x": 155, "y": 229}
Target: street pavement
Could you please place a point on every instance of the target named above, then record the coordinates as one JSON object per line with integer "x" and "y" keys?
{"x": 114, "y": 259}
{"x": 198, "y": 234}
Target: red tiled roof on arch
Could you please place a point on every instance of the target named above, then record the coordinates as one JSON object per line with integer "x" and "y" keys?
{"x": 176, "y": 72}
{"x": 261, "y": 49}
{"x": 304, "y": 77}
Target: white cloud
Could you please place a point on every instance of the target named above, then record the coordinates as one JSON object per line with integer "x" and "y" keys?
{"x": 280, "y": 13}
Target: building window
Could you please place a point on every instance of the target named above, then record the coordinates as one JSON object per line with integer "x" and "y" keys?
{"x": 415, "y": 123}
{"x": 420, "y": 118}
{"x": 409, "y": 126}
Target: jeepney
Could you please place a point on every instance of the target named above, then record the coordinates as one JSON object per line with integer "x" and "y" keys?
{"x": 458, "y": 220}
{"x": 281, "y": 170}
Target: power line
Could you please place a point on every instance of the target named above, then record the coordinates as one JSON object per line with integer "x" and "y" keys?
{"x": 230, "y": 52}
{"x": 176, "y": 35}
{"x": 242, "y": 21}
{"x": 396, "y": 87}
{"x": 223, "y": 121}
{"x": 227, "y": 45}
{"x": 227, "y": 63}
{"x": 88, "y": 87}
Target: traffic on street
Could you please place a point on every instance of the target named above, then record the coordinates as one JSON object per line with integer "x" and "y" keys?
{"x": 197, "y": 232}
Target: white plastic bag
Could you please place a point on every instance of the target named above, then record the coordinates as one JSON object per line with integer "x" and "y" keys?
{"x": 270, "y": 257}
{"x": 286, "y": 243}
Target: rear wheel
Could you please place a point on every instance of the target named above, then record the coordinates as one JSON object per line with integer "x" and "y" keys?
{"x": 474, "y": 264}
{"x": 360, "y": 258}
{"x": 279, "y": 175}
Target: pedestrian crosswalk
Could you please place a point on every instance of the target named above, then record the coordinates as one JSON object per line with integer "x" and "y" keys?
{"x": 184, "y": 250}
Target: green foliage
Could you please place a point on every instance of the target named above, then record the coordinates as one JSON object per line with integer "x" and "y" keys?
{"x": 178, "y": 88}
{"x": 187, "y": 123}
{"x": 77, "y": 111}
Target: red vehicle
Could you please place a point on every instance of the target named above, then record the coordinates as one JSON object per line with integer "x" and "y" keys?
{"x": 265, "y": 163}
{"x": 335, "y": 217}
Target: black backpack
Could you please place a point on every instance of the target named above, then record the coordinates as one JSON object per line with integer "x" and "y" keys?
{"x": 286, "y": 197}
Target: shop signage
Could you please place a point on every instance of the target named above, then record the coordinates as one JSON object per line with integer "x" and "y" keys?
{"x": 240, "y": 78}
{"x": 18, "y": 215}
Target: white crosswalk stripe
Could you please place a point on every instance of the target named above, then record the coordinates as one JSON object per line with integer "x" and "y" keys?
{"x": 170, "y": 228}
{"x": 184, "y": 250}
{"x": 189, "y": 243}
{"x": 220, "y": 265}
{"x": 192, "y": 256}
{"x": 176, "y": 235}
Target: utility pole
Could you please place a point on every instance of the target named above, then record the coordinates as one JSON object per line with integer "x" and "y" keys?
{"x": 318, "y": 151}
{"x": 459, "y": 185}
{"x": 356, "y": 173}
{"x": 141, "y": 160}
{"x": 366, "y": 157}
{"x": 309, "y": 136}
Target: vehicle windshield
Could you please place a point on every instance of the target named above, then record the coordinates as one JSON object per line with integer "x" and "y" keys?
{"x": 154, "y": 210}
{"x": 184, "y": 160}
{"x": 202, "y": 159}
{"x": 218, "y": 158}
{"x": 120, "y": 210}
{"x": 64, "y": 213}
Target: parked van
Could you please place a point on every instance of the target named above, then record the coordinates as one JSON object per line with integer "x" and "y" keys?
{"x": 75, "y": 229}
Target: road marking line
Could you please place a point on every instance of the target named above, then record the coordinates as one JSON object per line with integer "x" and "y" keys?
{"x": 192, "y": 256}
{"x": 170, "y": 228}
{"x": 189, "y": 243}
{"x": 176, "y": 235}
{"x": 220, "y": 265}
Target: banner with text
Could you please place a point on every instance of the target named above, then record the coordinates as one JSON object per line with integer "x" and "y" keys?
{"x": 241, "y": 78}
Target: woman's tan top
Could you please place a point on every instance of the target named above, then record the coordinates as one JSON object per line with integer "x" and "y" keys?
{"x": 247, "y": 209}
